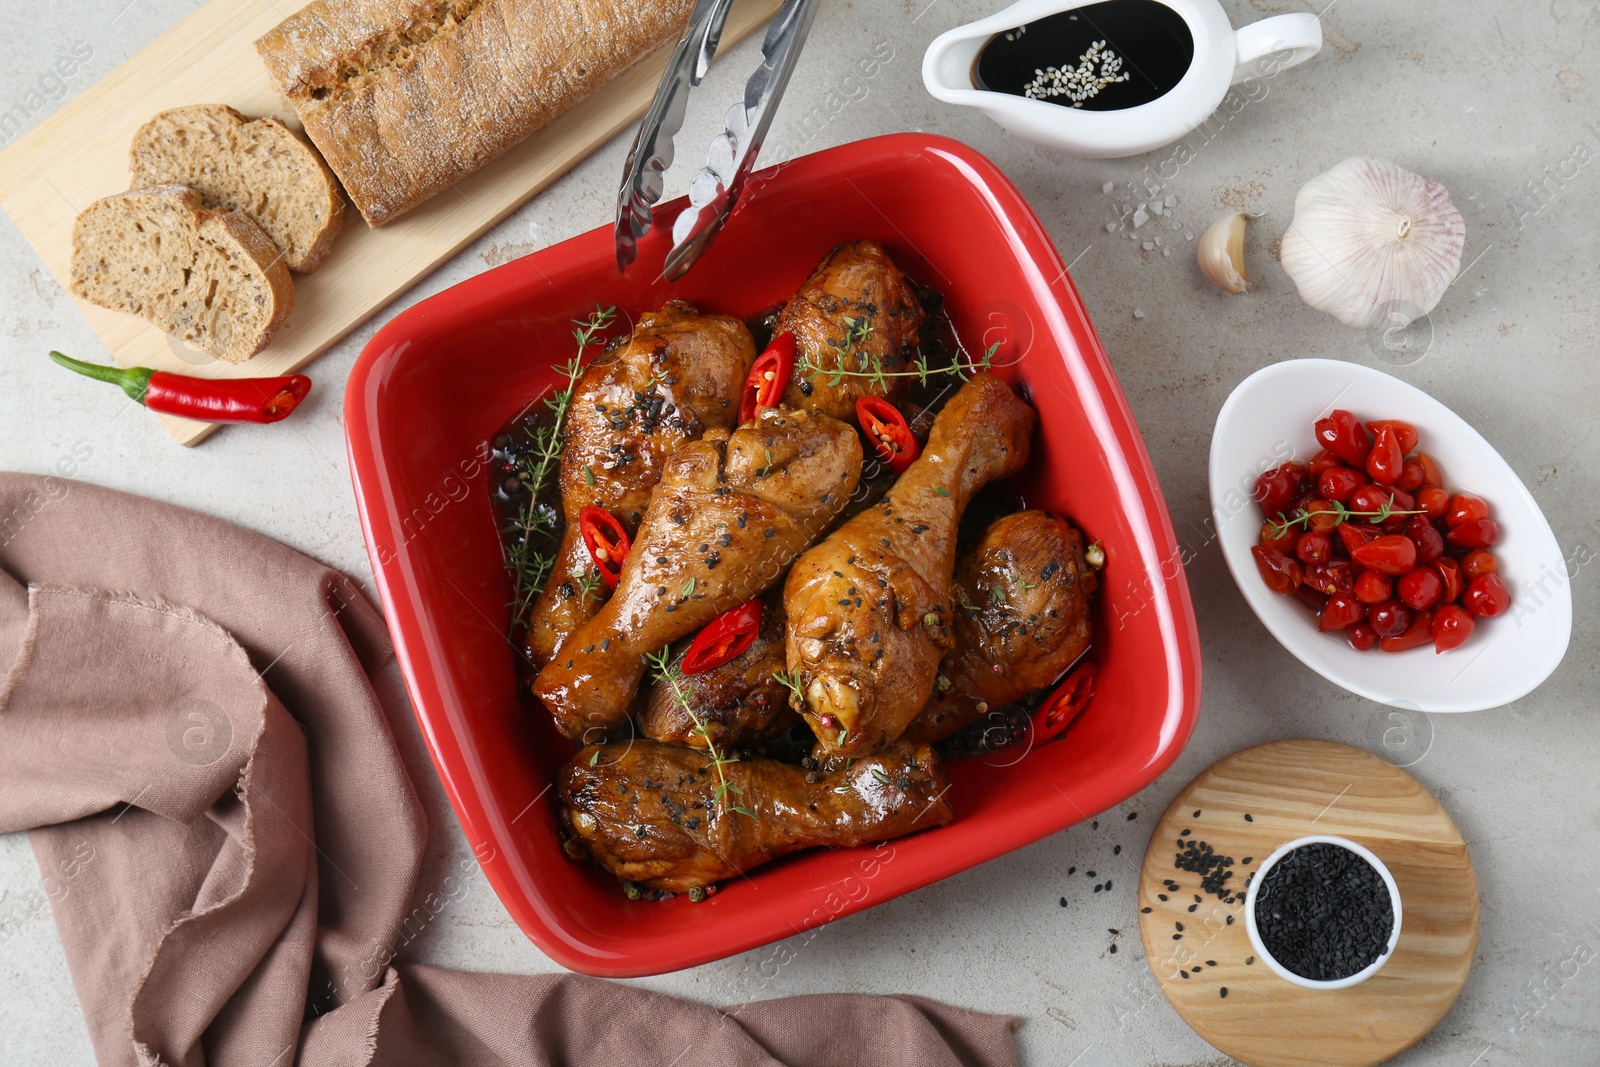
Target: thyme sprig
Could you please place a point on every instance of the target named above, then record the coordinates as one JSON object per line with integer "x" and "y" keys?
{"x": 666, "y": 671}
{"x": 1341, "y": 514}
{"x": 870, "y": 366}
{"x": 791, "y": 682}
{"x": 531, "y": 534}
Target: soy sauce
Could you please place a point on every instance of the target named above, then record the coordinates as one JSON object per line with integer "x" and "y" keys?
{"x": 1102, "y": 57}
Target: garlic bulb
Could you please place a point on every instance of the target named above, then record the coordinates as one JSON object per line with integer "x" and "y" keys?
{"x": 1373, "y": 244}
{"x": 1220, "y": 253}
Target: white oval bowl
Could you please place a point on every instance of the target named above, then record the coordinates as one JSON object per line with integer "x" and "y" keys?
{"x": 1254, "y": 932}
{"x": 1268, "y": 420}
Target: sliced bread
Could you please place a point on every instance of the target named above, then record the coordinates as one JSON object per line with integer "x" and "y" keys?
{"x": 211, "y": 278}
{"x": 260, "y": 167}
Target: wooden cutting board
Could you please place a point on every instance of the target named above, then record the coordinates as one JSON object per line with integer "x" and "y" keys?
{"x": 1292, "y": 789}
{"x": 80, "y": 154}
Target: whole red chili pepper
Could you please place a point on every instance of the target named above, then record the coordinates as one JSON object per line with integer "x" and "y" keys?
{"x": 206, "y": 399}
{"x": 888, "y": 431}
{"x": 724, "y": 638}
{"x": 607, "y": 541}
{"x": 769, "y": 377}
{"x": 1062, "y": 706}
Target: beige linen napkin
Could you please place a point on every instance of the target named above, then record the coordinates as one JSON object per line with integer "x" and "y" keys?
{"x": 195, "y": 730}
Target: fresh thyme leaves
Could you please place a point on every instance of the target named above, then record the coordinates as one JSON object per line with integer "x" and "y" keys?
{"x": 997, "y": 595}
{"x": 871, "y": 366}
{"x": 661, "y": 662}
{"x": 588, "y": 475}
{"x": 880, "y": 776}
{"x": 589, "y": 584}
{"x": 531, "y": 535}
{"x": 1340, "y": 514}
{"x": 688, "y": 589}
{"x": 791, "y": 682}
{"x": 941, "y": 490}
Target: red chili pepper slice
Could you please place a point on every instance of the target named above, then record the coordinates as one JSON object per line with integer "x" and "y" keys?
{"x": 1052, "y": 717}
{"x": 769, "y": 378}
{"x": 207, "y": 399}
{"x": 888, "y": 431}
{"x": 607, "y": 541}
{"x": 724, "y": 638}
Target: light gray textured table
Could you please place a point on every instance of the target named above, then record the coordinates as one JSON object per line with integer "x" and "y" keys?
{"x": 1486, "y": 95}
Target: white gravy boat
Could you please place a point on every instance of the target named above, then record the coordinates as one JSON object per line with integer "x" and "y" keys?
{"x": 1223, "y": 56}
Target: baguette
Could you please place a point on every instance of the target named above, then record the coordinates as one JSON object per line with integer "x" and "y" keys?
{"x": 405, "y": 97}
{"x": 213, "y": 279}
{"x": 260, "y": 167}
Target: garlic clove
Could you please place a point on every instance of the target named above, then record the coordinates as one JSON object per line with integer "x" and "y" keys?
{"x": 1220, "y": 253}
{"x": 1373, "y": 244}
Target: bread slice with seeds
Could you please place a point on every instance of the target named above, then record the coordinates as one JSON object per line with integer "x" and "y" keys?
{"x": 258, "y": 166}
{"x": 214, "y": 279}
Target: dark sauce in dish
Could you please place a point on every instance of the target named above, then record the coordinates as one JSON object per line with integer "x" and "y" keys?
{"x": 1108, "y": 56}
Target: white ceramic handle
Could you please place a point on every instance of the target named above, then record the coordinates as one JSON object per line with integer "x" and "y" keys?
{"x": 1299, "y": 34}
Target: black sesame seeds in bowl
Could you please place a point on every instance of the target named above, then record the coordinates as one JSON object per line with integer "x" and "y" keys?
{"x": 1323, "y": 912}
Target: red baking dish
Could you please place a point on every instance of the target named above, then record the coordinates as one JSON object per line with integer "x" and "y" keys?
{"x": 437, "y": 382}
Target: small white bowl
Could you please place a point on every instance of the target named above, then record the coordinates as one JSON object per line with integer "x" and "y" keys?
{"x": 1268, "y": 420}
{"x": 1255, "y": 935}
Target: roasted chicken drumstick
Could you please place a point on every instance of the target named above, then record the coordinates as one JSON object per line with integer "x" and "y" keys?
{"x": 1021, "y": 618}
{"x": 728, "y": 516}
{"x": 869, "y": 608}
{"x": 649, "y": 813}
{"x": 857, "y": 310}
{"x": 677, "y": 376}
{"x": 739, "y": 703}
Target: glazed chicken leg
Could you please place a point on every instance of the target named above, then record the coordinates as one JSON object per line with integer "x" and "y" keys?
{"x": 1022, "y": 617}
{"x": 739, "y": 703}
{"x": 649, "y": 813}
{"x": 677, "y": 376}
{"x": 869, "y": 608}
{"x": 728, "y": 516}
{"x": 855, "y": 310}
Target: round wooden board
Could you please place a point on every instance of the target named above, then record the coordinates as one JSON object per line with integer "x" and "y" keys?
{"x": 1292, "y": 789}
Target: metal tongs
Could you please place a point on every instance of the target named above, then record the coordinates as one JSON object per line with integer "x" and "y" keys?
{"x": 714, "y": 188}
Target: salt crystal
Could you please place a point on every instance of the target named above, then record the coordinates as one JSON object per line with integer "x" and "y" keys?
{"x": 1111, "y": 227}
{"x": 1176, "y": 225}
{"x": 1158, "y": 241}
{"x": 1138, "y": 313}
{"x": 1166, "y": 251}
{"x": 1140, "y": 217}
{"x": 1171, "y": 200}
{"x": 1108, "y": 187}
{"x": 1188, "y": 235}
{"x": 1147, "y": 246}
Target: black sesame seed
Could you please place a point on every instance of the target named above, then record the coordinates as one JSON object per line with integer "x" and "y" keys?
{"x": 1108, "y": 883}
{"x": 1072, "y": 870}
{"x": 1161, "y": 896}
{"x": 1324, "y": 912}
{"x": 1063, "y": 902}
{"x": 1211, "y": 963}
{"x": 1246, "y": 859}
{"x": 1249, "y": 961}
{"x": 1175, "y": 937}
{"x": 1249, "y": 818}
{"x": 1098, "y": 887}
{"x": 1193, "y": 906}
{"x": 1144, "y": 911}
{"x": 1095, "y": 825}
{"x": 1230, "y": 920}
{"x": 1088, "y": 874}
{"x": 1113, "y": 949}
{"x": 1194, "y": 970}
{"x": 1116, "y": 850}
{"x": 1113, "y": 931}
{"x": 1179, "y": 926}
{"x": 1224, "y": 992}
{"x": 1132, "y": 815}
{"x": 1186, "y": 832}
{"x": 1196, "y": 813}
{"x": 1183, "y": 974}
